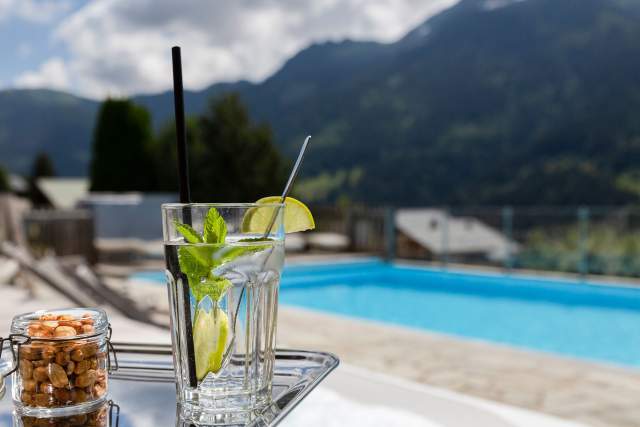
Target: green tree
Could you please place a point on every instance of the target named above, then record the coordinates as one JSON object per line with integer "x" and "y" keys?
{"x": 165, "y": 154}
{"x": 230, "y": 158}
{"x": 4, "y": 180}
{"x": 238, "y": 160}
{"x": 42, "y": 167}
{"x": 122, "y": 158}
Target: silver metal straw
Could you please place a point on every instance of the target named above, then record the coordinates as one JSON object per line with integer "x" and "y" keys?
{"x": 289, "y": 185}
{"x": 285, "y": 193}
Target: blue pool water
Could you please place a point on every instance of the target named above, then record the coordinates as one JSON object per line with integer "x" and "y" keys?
{"x": 575, "y": 319}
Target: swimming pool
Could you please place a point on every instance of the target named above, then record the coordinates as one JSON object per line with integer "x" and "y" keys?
{"x": 576, "y": 319}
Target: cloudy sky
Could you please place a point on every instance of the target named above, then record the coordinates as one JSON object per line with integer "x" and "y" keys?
{"x": 120, "y": 47}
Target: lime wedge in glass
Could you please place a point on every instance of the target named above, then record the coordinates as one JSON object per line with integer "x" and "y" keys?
{"x": 297, "y": 216}
{"x": 210, "y": 331}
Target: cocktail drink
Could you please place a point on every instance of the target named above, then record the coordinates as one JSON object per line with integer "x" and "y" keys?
{"x": 223, "y": 271}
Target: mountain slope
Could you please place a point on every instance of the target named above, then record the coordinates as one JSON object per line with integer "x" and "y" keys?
{"x": 491, "y": 101}
{"x": 535, "y": 102}
{"x": 161, "y": 105}
{"x": 532, "y": 102}
{"x": 44, "y": 120}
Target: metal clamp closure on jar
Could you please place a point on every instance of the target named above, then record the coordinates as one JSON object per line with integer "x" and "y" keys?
{"x": 61, "y": 370}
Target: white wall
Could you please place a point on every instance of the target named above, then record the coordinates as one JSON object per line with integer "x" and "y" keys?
{"x": 128, "y": 215}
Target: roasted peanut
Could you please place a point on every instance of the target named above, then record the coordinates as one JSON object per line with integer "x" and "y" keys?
{"x": 86, "y": 379}
{"x": 40, "y": 374}
{"x": 94, "y": 363}
{"x": 29, "y": 385}
{"x": 68, "y": 348}
{"x": 33, "y": 328}
{"x": 62, "y": 358}
{"x": 78, "y": 354}
{"x": 57, "y": 375}
{"x": 99, "y": 389}
{"x": 89, "y": 350}
{"x": 70, "y": 322}
{"x": 64, "y": 331}
{"x": 46, "y": 388}
{"x": 40, "y": 363}
{"x": 63, "y": 395}
{"x": 27, "y": 397}
{"x": 71, "y": 366}
{"x": 78, "y": 395}
{"x": 42, "y": 333}
{"x": 78, "y": 327}
{"x": 82, "y": 366}
{"x": 48, "y": 316}
{"x": 30, "y": 352}
{"x": 42, "y": 399}
{"x": 48, "y": 352}
{"x": 49, "y": 325}
{"x": 88, "y": 329}
{"x": 26, "y": 369}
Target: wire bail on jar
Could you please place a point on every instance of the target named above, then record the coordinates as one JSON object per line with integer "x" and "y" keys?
{"x": 111, "y": 351}
{"x": 114, "y": 407}
{"x": 17, "y": 340}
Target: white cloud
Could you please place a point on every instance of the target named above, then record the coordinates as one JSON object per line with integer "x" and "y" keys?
{"x": 121, "y": 47}
{"x": 51, "y": 74}
{"x": 39, "y": 11}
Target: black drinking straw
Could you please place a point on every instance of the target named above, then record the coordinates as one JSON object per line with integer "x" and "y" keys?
{"x": 185, "y": 197}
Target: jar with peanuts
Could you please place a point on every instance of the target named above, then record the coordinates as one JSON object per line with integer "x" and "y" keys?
{"x": 62, "y": 361}
{"x": 95, "y": 417}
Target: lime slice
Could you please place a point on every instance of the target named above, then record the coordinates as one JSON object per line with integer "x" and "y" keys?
{"x": 297, "y": 216}
{"x": 210, "y": 330}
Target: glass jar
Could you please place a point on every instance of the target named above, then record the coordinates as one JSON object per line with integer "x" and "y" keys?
{"x": 96, "y": 417}
{"x": 62, "y": 361}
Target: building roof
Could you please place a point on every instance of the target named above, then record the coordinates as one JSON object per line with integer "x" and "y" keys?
{"x": 440, "y": 232}
{"x": 63, "y": 193}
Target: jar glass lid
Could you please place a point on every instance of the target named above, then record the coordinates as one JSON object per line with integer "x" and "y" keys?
{"x": 61, "y": 323}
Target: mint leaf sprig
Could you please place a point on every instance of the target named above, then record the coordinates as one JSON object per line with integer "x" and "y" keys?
{"x": 199, "y": 262}
{"x": 189, "y": 234}
{"x": 215, "y": 229}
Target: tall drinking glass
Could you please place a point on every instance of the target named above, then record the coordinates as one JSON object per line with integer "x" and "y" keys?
{"x": 223, "y": 277}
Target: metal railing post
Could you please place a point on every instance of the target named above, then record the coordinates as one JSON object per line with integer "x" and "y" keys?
{"x": 445, "y": 238}
{"x": 350, "y": 229}
{"x": 390, "y": 233}
{"x": 583, "y": 240}
{"x": 507, "y": 230}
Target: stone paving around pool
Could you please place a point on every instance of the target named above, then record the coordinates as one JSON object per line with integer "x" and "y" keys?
{"x": 595, "y": 394}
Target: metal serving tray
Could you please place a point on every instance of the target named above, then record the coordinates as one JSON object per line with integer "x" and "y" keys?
{"x": 144, "y": 391}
